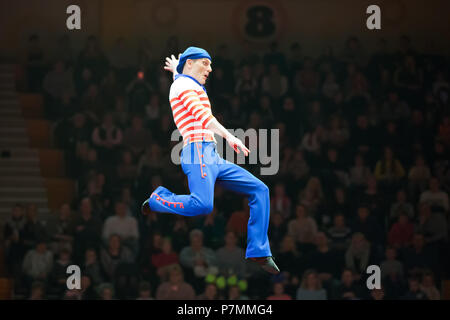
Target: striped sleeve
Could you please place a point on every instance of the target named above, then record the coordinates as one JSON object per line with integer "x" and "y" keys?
{"x": 193, "y": 103}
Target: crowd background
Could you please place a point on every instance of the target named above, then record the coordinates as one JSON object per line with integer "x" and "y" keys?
{"x": 364, "y": 175}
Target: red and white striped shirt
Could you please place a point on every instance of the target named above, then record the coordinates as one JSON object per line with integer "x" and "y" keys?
{"x": 191, "y": 109}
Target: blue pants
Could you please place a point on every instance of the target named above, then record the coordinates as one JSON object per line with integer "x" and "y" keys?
{"x": 203, "y": 167}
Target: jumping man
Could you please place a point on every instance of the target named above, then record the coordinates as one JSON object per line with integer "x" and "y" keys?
{"x": 200, "y": 162}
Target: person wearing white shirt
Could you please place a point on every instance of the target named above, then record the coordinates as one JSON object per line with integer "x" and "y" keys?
{"x": 435, "y": 197}
{"x": 123, "y": 225}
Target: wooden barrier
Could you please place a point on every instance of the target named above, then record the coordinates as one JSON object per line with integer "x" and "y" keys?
{"x": 52, "y": 163}
{"x": 445, "y": 290}
{"x": 32, "y": 105}
{"x": 39, "y": 133}
{"x": 6, "y": 288}
{"x": 59, "y": 191}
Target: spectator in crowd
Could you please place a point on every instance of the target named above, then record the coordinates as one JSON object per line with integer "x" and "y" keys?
{"x": 119, "y": 57}
{"x": 389, "y": 170}
{"x": 278, "y": 292}
{"x": 180, "y": 233}
{"x": 377, "y": 294}
{"x": 275, "y": 83}
{"x": 330, "y": 87}
{"x": 93, "y": 103}
{"x": 164, "y": 259}
{"x": 38, "y": 263}
{"x": 401, "y": 206}
{"x": 359, "y": 173}
{"x": 86, "y": 229}
{"x": 145, "y": 291}
{"x": 340, "y": 204}
{"x": 59, "y": 229}
{"x": 338, "y": 132}
{"x": 37, "y": 291}
{"x": 325, "y": 261}
{"x": 339, "y": 233}
{"x": 418, "y": 257}
{"x": 239, "y": 219}
{"x": 395, "y": 109}
{"x": 303, "y": 228}
{"x": 58, "y": 276}
{"x": 123, "y": 225}
{"x": 235, "y": 293}
{"x": 246, "y": 85}
{"x": 414, "y": 292}
{"x": 312, "y": 196}
{"x": 418, "y": 176}
{"x": 362, "y": 135}
{"x": 153, "y": 111}
{"x": 210, "y": 293}
{"x": 277, "y": 228}
{"x": 213, "y": 227}
{"x": 176, "y": 288}
{"x": 64, "y": 50}
{"x": 106, "y": 291}
{"x": 58, "y": 81}
{"x": 113, "y": 255}
{"x": 428, "y": 287}
{"x": 151, "y": 162}
{"x": 281, "y": 202}
{"x": 313, "y": 139}
{"x": 435, "y": 197}
{"x": 369, "y": 226}
{"x": 110, "y": 88}
{"x": 306, "y": 81}
{"x": 33, "y": 229}
{"x": 311, "y": 287}
{"x": 136, "y": 138}
{"x": 433, "y": 225}
{"x": 372, "y": 199}
{"x": 290, "y": 258}
{"x": 296, "y": 168}
{"x": 444, "y": 131}
{"x": 87, "y": 291}
{"x": 139, "y": 91}
{"x": 120, "y": 113}
{"x": 196, "y": 257}
{"x": 359, "y": 255}
{"x": 230, "y": 257}
{"x": 401, "y": 233}
{"x": 107, "y": 138}
{"x": 92, "y": 267}
{"x": 391, "y": 267}
{"x": 408, "y": 78}
{"x": 348, "y": 288}
{"x": 14, "y": 249}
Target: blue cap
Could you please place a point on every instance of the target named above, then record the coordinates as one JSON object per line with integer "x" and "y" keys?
{"x": 191, "y": 53}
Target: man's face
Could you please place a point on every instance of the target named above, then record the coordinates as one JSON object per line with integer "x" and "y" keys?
{"x": 230, "y": 239}
{"x": 121, "y": 210}
{"x": 199, "y": 69}
{"x": 197, "y": 241}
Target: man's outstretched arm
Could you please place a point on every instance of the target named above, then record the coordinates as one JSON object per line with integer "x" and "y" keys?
{"x": 214, "y": 125}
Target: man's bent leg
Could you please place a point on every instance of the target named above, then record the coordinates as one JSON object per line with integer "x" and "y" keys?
{"x": 201, "y": 172}
{"x": 237, "y": 179}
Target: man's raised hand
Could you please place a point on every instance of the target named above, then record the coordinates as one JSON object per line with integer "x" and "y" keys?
{"x": 237, "y": 144}
{"x": 172, "y": 63}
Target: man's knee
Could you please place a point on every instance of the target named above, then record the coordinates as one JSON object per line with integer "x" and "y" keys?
{"x": 262, "y": 187}
{"x": 204, "y": 206}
